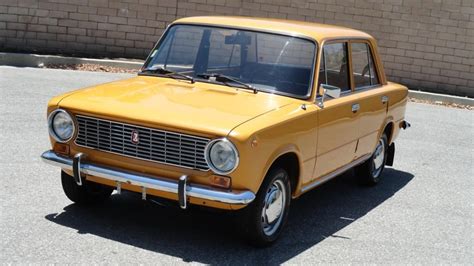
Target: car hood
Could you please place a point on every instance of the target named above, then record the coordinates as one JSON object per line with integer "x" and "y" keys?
{"x": 173, "y": 104}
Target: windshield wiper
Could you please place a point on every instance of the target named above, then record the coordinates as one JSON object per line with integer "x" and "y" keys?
{"x": 226, "y": 80}
{"x": 168, "y": 73}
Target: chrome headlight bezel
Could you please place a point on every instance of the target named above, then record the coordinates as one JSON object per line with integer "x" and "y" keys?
{"x": 52, "y": 133}
{"x": 209, "y": 162}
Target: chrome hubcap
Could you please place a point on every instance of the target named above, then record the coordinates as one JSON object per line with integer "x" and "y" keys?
{"x": 272, "y": 212}
{"x": 379, "y": 156}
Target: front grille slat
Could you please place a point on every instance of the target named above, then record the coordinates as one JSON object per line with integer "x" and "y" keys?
{"x": 154, "y": 144}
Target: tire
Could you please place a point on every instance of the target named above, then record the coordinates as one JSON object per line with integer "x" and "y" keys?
{"x": 370, "y": 171}
{"x": 88, "y": 194}
{"x": 263, "y": 225}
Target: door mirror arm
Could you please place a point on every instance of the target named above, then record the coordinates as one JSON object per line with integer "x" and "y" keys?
{"x": 328, "y": 90}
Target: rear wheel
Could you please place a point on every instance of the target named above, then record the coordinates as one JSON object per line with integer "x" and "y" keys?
{"x": 265, "y": 217}
{"x": 370, "y": 171}
{"x": 89, "y": 193}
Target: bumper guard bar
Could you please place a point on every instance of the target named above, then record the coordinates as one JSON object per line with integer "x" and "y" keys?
{"x": 182, "y": 188}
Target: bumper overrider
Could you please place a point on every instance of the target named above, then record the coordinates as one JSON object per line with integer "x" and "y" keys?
{"x": 182, "y": 188}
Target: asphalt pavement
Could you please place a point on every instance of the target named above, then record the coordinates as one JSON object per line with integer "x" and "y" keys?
{"x": 421, "y": 212}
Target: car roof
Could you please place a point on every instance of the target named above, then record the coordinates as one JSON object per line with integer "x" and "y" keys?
{"x": 315, "y": 31}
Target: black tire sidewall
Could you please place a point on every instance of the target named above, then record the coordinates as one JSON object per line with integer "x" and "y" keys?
{"x": 364, "y": 171}
{"x": 87, "y": 194}
{"x": 254, "y": 229}
{"x": 369, "y": 173}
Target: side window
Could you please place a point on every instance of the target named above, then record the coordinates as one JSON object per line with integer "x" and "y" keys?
{"x": 363, "y": 66}
{"x": 334, "y": 68}
{"x": 373, "y": 72}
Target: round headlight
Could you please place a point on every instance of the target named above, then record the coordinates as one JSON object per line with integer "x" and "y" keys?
{"x": 222, "y": 156}
{"x": 61, "y": 126}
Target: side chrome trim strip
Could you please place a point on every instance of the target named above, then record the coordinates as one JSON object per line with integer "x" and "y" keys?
{"x": 152, "y": 182}
{"x": 337, "y": 172}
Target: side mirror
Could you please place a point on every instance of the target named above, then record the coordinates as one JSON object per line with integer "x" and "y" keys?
{"x": 328, "y": 90}
{"x": 331, "y": 91}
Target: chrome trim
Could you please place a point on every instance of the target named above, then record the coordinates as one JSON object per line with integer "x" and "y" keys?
{"x": 378, "y": 158}
{"x": 76, "y": 168}
{"x": 145, "y": 128}
{"x": 182, "y": 197}
{"x": 328, "y": 90}
{"x": 50, "y": 125}
{"x": 319, "y": 98}
{"x": 355, "y": 107}
{"x": 143, "y": 193}
{"x": 335, "y": 173}
{"x": 150, "y": 182}
{"x": 119, "y": 187}
{"x": 274, "y": 207}
{"x": 208, "y": 159}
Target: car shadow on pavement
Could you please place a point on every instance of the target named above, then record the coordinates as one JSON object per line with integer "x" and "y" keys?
{"x": 212, "y": 237}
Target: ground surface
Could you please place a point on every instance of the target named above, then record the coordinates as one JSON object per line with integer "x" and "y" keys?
{"x": 422, "y": 212}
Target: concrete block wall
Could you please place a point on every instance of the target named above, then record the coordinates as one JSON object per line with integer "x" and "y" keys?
{"x": 425, "y": 44}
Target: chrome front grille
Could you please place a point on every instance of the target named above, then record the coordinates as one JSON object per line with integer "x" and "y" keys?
{"x": 154, "y": 145}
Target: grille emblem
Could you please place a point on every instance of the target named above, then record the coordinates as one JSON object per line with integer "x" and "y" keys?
{"x": 135, "y": 138}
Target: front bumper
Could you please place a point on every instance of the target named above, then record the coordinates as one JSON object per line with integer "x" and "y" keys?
{"x": 181, "y": 188}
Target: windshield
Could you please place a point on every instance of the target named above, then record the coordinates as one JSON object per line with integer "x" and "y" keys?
{"x": 267, "y": 62}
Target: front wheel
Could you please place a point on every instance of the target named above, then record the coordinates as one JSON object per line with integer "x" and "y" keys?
{"x": 265, "y": 217}
{"x": 370, "y": 171}
{"x": 88, "y": 194}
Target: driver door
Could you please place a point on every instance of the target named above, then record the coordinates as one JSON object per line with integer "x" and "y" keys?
{"x": 337, "y": 122}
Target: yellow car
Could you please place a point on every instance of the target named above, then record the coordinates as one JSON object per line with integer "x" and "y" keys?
{"x": 232, "y": 113}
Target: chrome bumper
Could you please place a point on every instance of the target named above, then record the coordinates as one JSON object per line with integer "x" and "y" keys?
{"x": 181, "y": 188}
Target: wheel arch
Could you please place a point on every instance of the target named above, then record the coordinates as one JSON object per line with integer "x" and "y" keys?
{"x": 388, "y": 129}
{"x": 290, "y": 161}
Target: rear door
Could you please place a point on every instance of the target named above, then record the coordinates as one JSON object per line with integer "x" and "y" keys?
{"x": 371, "y": 96}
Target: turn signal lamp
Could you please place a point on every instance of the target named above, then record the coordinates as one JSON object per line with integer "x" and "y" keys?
{"x": 220, "y": 181}
{"x": 61, "y": 148}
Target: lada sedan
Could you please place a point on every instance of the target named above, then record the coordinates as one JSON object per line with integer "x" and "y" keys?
{"x": 232, "y": 113}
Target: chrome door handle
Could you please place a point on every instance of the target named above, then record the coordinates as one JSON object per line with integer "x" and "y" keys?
{"x": 384, "y": 99}
{"x": 355, "y": 107}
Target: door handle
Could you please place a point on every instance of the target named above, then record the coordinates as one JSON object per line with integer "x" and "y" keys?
{"x": 384, "y": 99}
{"x": 355, "y": 107}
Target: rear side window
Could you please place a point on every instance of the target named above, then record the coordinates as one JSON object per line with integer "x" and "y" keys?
{"x": 334, "y": 69}
{"x": 363, "y": 66}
